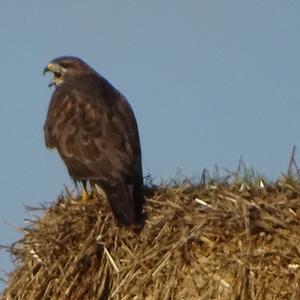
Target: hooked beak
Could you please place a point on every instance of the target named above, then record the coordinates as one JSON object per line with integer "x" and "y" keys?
{"x": 46, "y": 69}
{"x": 55, "y": 69}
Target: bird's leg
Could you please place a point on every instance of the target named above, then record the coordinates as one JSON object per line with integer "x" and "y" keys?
{"x": 85, "y": 194}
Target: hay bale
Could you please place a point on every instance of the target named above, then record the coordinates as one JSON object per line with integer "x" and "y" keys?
{"x": 213, "y": 242}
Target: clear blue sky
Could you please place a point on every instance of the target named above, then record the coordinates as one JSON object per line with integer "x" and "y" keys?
{"x": 208, "y": 80}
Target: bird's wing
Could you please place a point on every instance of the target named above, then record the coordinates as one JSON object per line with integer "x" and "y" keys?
{"x": 93, "y": 137}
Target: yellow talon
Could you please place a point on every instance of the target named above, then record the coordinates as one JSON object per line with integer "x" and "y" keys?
{"x": 85, "y": 194}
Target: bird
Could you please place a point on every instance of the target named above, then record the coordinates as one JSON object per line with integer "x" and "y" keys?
{"x": 94, "y": 129}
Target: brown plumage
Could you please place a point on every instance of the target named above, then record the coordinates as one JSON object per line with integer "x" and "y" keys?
{"x": 94, "y": 129}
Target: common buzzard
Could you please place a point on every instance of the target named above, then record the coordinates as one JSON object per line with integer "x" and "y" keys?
{"x": 94, "y": 129}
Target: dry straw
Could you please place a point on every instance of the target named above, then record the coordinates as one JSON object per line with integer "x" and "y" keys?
{"x": 199, "y": 242}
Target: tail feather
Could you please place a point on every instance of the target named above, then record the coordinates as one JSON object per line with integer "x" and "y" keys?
{"x": 126, "y": 201}
{"x": 137, "y": 194}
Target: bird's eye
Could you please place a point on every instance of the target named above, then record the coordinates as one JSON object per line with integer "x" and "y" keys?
{"x": 65, "y": 65}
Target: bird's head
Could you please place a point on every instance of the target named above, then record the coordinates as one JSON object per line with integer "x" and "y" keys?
{"x": 66, "y": 68}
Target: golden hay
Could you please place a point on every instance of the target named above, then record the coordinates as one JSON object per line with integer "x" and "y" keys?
{"x": 199, "y": 242}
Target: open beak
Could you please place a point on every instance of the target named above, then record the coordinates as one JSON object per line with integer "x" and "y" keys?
{"x": 55, "y": 69}
{"x": 47, "y": 69}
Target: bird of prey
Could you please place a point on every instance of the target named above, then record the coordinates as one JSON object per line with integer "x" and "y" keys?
{"x": 94, "y": 129}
